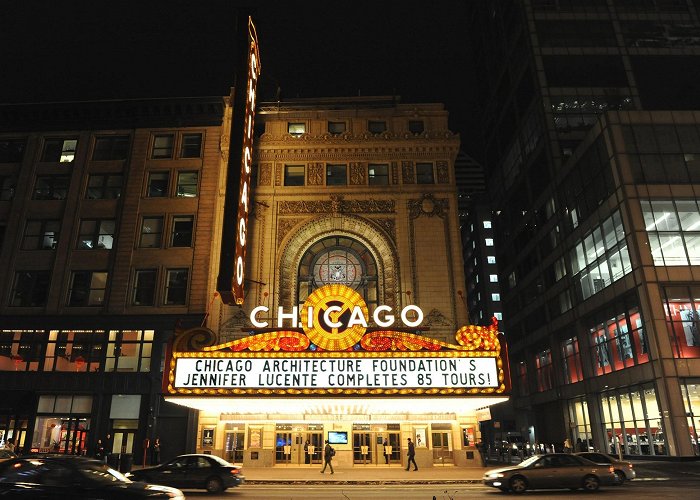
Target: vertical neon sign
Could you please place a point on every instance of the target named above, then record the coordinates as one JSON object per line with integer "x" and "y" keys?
{"x": 246, "y": 164}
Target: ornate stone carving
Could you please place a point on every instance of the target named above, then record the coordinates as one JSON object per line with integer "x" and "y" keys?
{"x": 443, "y": 174}
{"x": 388, "y": 225}
{"x": 284, "y": 225}
{"x": 336, "y": 203}
{"x": 394, "y": 173}
{"x": 315, "y": 174}
{"x": 278, "y": 174}
{"x": 358, "y": 174}
{"x": 427, "y": 205}
{"x": 265, "y": 178}
{"x": 436, "y": 318}
{"x": 407, "y": 172}
{"x": 344, "y": 206}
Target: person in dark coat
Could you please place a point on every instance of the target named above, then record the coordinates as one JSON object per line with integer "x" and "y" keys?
{"x": 99, "y": 450}
{"x": 386, "y": 455}
{"x": 328, "y": 453}
{"x": 411, "y": 455}
{"x": 155, "y": 452}
{"x": 306, "y": 452}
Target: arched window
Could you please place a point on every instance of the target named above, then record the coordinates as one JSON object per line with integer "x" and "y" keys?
{"x": 341, "y": 260}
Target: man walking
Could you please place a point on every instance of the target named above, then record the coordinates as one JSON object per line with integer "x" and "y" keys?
{"x": 411, "y": 455}
{"x": 328, "y": 453}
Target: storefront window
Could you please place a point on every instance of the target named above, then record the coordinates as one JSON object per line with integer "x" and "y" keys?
{"x": 691, "y": 398}
{"x": 580, "y": 424}
{"x": 619, "y": 342}
{"x": 22, "y": 350}
{"x": 62, "y": 424}
{"x": 572, "y": 360}
{"x": 74, "y": 350}
{"x": 632, "y": 422}
{"x": 682, "y": 305}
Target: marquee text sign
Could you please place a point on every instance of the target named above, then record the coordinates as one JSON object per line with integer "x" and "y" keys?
{"x": 332, "y": 345}
{"x": 336, "y": 373}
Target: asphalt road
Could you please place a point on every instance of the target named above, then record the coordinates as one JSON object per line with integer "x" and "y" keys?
{"x": 637, "y": 490}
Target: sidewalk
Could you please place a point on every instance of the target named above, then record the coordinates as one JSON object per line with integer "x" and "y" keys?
{"x": 363, "y": 475}
{"x": 646, "y": 471}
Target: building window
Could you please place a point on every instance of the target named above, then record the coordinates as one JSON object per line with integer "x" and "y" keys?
{"x": 176, "y": 287}
{"x": 75, "y": 350}
{"x": 87, "y": 288}
{"x": 673, "y": 228}
{"x": 151, "y": 232}
{"x": 187, "y": 184}
{"x": 129, "y": 351}
{"x": 183, "y": 226}
{"x": 490, "y": 259}
{"x": 296, "y": 129}
{"x": 571, "y": 355}
{"x": 543, "y": 366}
{"x": 631, "y": 421}
{"x": 51, "y": 187}
{"x": 336, "y": 128}
{"x": 487, "y": 224}
{"x": 41, "y": 235}
{"x": 619, "y": 342}
{"x": 488, "y": 242}
{"x": 580, "y": 424}
{"x": 691, "y": 398}
{"x": 376, "y": 127}
{"x": 424, "y": 173}
{"x": 144, "y": 287}
{"x": 496, "y": 297}
{"x": 96, "y": 234}
{"x": 498, "y": 316}
{"x": 157, "y": 184}
{"x": 682, "y": 307}
{"x": 191, "y": 146}
{"x": 493, "y": 278}
{"x": 163, "y": 146}
{"x": 30, "y": 350}
{"x": 111, "y": 148}
{"x": 601, "y": 258}
{"x": 59, "y": 150}
{"x": 294, "y": 175}
{"x": 104, "y": 186}
{"x": 7, "y": 187}
{"x": 30, "y": 288}
{"x": 416, "y": 126}
{"x": 521, "y": 381}
{"x": 12, "y": 150}
{"x": 378, "y": 174}
{"x": 336, "y": 175}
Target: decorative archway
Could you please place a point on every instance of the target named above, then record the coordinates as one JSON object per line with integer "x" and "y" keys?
{"x": 377, "y": 242}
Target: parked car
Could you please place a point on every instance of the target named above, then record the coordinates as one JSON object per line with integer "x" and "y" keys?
{"x": 193, "y": 471}
{"x": 6, "y": 455}
{"x": 551, "y": 471}
{"x": 57, "y": 477}
{"x": 623, "y": 470}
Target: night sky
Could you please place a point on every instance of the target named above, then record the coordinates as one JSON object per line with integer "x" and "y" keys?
{"x": 83, "y": 50}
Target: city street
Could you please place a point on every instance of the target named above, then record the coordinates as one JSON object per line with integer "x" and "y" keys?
{"x": 639, "y": 489}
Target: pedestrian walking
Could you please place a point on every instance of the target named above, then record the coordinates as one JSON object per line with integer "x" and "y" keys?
{"x": 386, "y": 451}
{"x": 10, "y": 445}
{"x": 567, "y": 446}
{"x": 328, "y": 454}
{"x": 99, "y": 450}
{"x": 306, "y": 451}
{"x": 411, "y": 456}
{"x": 155, "y": 452}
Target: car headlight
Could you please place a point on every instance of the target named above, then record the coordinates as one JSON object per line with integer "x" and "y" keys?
{"x": 495, "y": 475}
{"x": 128, "y": 474}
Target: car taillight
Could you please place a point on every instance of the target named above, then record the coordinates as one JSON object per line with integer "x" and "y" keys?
{"x": 235, "y": 471}
{"x": 611, "y": 469}
{"x": 629, "y": 465}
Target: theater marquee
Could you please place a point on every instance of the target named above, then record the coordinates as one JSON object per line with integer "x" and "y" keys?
{"x": 328, "y": 349}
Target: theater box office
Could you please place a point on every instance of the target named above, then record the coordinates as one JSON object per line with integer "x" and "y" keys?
{"x": 274, "y": 397}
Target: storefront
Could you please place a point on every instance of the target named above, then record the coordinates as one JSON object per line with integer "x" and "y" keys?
{"x": 321, "y": 373}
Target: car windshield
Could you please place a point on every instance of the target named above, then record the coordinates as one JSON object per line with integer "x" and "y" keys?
{"x": 102, "y": 474}
{"x": 530, "y": 461}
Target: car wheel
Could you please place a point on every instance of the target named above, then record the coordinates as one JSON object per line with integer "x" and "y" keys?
{"x": 214, "y": 485}
{"x": 591, "y": 483}
{"x": 620, "y": 477}
{"x": 518, "y": 484}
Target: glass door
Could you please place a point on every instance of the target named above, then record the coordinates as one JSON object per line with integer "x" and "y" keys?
{"x": 234, "y": 446}
{"x": 283, "y": 447}
{"x": 362, "y": 448}
{"x": 441, "y": 447}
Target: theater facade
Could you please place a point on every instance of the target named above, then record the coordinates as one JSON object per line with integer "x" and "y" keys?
{"x": 353, "y": 325}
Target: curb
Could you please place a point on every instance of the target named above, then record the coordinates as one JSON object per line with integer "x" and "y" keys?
{"x": 360, "y": 482}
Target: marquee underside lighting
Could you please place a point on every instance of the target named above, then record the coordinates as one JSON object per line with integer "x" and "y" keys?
{"x": 346, "y": 406}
